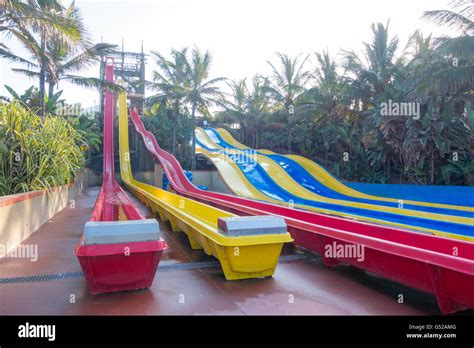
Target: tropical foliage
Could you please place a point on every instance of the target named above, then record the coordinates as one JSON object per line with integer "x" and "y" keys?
{"x": 30, "y": 98}
{"x": 182, "y": 81}
{"x": 88, "y": 125}
{"x": 57, "y": 47}
{"x": 333, "y": 112}
{"x": 162, "y": 122}
{"x": 34, "y": 24}
{"x": 89, "y": 128}
{"x": 331, "y": 108}
{"x": 57, "y": 41}
{"x": 36, "y": 153}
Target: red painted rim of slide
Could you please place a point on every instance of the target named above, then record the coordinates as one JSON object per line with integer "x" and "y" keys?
{"x": 120, "y": 248}
{"x": 112, "y": 202}
{"x": 422, "y": 247}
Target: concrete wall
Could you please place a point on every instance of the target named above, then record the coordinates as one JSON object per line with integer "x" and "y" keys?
{"x": 91, "y": 179}
{"x": 24, "y": 213}
{"x": 146, "y": 177}
{"x": 209, "y": 178}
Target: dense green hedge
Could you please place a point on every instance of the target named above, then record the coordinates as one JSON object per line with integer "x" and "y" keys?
{"x": 36, "y": 153}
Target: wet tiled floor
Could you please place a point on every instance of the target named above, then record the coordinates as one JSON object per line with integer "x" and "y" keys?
{"x": 302, "y": 286}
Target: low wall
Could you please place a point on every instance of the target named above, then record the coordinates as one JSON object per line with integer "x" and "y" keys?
{"x": 456, "y": 195}
{"x": 24, "y": 213}
{"x": 209, "y": 178}
{"x": 146, "y": 177}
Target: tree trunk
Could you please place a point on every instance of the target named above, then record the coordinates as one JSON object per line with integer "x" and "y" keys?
{"x": 175, "y": 125}
{"x": 256, "y": 138}
{"x": 51, "y": 86}
{"x": 289, "y": 140}
{"x": 193, "y": 137}
{"x": 42, "y": 77}
{"x": 389, "y": 172}
{"x": 432, "y": 169}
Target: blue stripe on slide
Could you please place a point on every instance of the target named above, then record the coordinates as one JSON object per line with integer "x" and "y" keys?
{"x": 456, "y": 195}
{"x": 262, "y": 182}
{"x": 305, "y": 179}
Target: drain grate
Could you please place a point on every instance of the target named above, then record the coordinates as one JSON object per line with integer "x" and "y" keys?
{"x": 40, "y": 278}
{"x": 187, "y": 265}
{"x": 162, "y": 268}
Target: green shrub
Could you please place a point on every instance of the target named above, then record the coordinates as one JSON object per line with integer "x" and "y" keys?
{"x": 36, "y": 153}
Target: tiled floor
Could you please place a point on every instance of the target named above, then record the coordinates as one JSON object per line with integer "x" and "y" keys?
{"x": 302, "y": 286}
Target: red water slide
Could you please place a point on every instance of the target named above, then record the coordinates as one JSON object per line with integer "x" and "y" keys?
{"x": 120, "y": 249}
{"x": 441, "y": 266}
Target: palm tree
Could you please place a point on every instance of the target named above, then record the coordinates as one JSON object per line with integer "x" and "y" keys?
{"x": 441, "y": 76}
{"x": 34, "y": 23}
{"x": 30, "y": 98}
{"x": 200, "y": 93}
{"x": 451, "y": 59}
{"x": 250, "y": 107}
{"x": 289, "y": 81}
{"x": 235, "y": 104}
{"x": 325, "y": 74}
{"x": 328, "y": 91}
{"x": 170, "y": 82}
{"x": 240, "y": 95}
{"x": 66, "y": 62}
{"x": 371, "y": 80}
{"x": 372, "y": 77}
{"x": 18, "y": 17}
{"x": 323, "y": 118}
{"x": 459, "y": 18}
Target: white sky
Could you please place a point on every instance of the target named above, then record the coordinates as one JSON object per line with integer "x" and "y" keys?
{"x": 241, "y": 34}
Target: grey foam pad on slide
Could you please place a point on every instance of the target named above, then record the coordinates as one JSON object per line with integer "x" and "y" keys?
{"x": 110, "y": 232}
{"x": 251, "y": 225}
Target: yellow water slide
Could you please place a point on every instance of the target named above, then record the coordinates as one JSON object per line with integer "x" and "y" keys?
{"x": 246, "y": 256}
{"x": 278, "y": 174}
{"x": 236, "y": 180}
{"x": 325, "y": 178}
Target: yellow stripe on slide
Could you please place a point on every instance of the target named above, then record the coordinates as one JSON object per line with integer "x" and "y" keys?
{"x": 224, "y": 133}
{"x": 285, "y": 181}
{"x": 230, "y": 169}
{"x": 217, "y": 159}
{"x": 325, "y": 178}
{"x": 258, "y": 254}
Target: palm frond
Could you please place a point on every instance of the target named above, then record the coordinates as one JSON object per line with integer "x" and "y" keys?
{"x": 450, "y": 19}
{"x": 29, "y": 73}
{"x": 88, "y": 57}
{"x": 5, "y": 53}
{"x": 92, "y": 82}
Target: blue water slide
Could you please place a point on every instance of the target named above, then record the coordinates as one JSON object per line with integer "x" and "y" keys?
{"x": 456, "y": 195}
{"x": 305, "y": 179}
{"x": 265, "y": 184}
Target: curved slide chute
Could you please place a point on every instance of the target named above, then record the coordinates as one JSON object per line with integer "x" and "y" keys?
{"x": 258, "y": 251}
{"x": 422, "y": 261}
{"x": 318, "y": 180}
{"x": 120, "y": 249}
{"x": 433, "y": 196}
{"x": 273, "y": 182}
